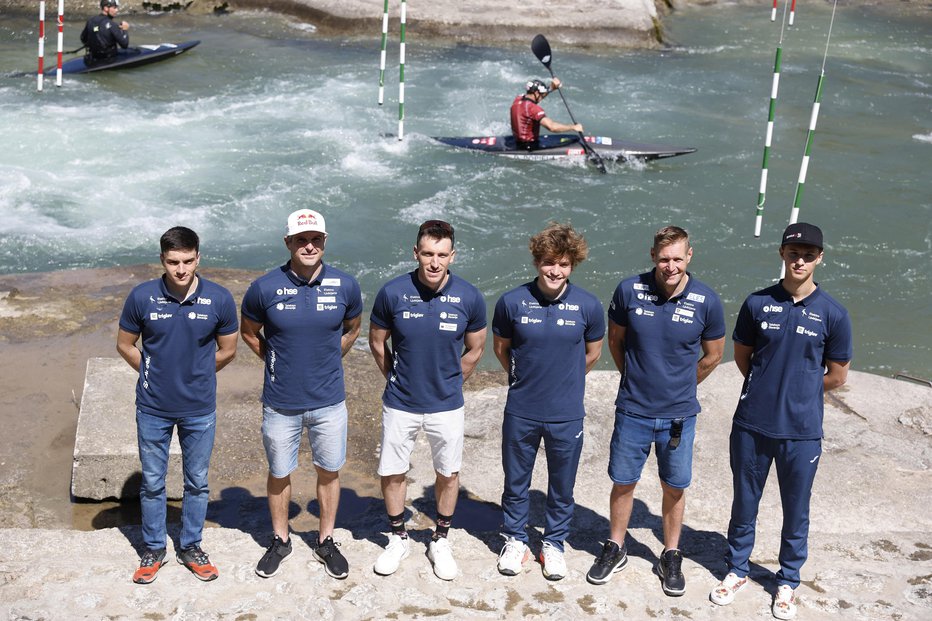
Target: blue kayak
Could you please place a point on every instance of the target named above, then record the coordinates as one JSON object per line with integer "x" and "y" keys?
{"x": 130, "y": 57}
{"x": 559, "y": 146}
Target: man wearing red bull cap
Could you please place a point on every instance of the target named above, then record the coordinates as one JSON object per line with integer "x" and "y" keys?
{"x": 301, "y": 319}
{"x": 792, "y": 344}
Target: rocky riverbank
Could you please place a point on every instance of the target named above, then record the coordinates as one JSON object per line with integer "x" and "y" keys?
{"x": 579, "y": 23}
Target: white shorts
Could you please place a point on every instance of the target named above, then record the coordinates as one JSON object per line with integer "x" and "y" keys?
{"x": 444, "y": 432}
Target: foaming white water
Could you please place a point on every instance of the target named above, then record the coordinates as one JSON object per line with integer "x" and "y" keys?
{"x": 264, "y": 117}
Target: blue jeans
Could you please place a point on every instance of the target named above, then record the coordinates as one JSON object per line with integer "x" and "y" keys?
{"x": 563, "y": 442}
{"x": 631, "y": 442}
{"x": 196, "y": 436}
{"x": 326, "y": 431}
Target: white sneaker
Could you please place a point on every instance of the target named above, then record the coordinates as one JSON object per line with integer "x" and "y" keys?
{"x": 441, "y": 555}
{"x": 552, "y": 560}
{"x": 513, "y": 556}
{"x": 396, "y": 551}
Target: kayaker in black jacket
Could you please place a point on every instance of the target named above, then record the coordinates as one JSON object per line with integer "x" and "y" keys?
{"x": 102, "y": 35}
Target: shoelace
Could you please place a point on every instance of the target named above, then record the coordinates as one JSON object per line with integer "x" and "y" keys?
{"x": 605, "y": 557}
{"x": 199, "y": 556}
{"x": 148, "y": 560}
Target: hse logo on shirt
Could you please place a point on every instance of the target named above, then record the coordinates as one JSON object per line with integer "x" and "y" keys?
{"x": 775, "y": 309}
{"x": 569, "y": 307}
{"x": 450, "y": 298}
{"x": 286, "y": 291}
{"x": 650, "y": 297}
{"x": 204, "y": 301}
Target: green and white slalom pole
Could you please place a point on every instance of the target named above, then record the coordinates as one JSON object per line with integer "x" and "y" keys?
{"x": 382, "y": 57}
{"x": 401, "y": 74}
{"x": 768, "y": 139}
{"x": 807, "y": 153}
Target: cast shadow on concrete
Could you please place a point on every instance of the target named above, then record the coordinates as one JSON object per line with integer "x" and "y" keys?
{"x": 362, "y": 516}
{"x": 704, "y": 547}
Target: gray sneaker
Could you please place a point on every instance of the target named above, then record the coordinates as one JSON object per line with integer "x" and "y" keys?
{"x": 270, "y": 562}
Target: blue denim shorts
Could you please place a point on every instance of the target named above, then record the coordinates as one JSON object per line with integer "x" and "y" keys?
{"x": 326, "y": 431}
{"x": 631, "y": 442}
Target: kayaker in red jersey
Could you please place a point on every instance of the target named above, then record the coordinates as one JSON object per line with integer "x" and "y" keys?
{"x": 527, "y": 116}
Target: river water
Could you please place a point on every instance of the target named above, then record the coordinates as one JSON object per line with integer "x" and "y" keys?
{"x": 266, "y": 116}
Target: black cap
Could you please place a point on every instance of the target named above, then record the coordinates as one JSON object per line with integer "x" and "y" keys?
{"x": 803, "y": 233}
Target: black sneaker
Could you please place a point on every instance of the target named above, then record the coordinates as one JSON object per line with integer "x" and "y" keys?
{"x": 612, "y": 560}
{"x": 198, "y": 562}
{"x": 277, "y": 552}
{"x": 671, "y": 575}
{"x": 149, "y": 565}
{"x": 334, "y": 562}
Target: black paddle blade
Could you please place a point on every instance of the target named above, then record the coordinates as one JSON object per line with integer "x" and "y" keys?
{"x": 541, "y": 49}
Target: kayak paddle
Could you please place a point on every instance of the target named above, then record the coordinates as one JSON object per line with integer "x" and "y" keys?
{"x": 541, "y": 48}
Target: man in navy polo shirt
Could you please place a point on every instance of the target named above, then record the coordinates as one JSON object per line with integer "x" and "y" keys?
{"x": 301, "y": 319}
{"x": 547, "y": 336}
{"x": 666, "y": 333}
{"x": 435, "y": 322}
{"x": 188, "y": 329}
{"x": 792, "y": 343}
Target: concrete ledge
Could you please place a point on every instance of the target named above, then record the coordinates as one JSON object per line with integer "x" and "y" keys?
{"x": 106, "y": 454}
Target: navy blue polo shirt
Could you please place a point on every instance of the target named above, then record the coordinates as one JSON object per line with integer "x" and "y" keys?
{"x": 428, "y": 330}
{"x": 782, "y": 395}
{"x": 547, "y": 378}
{"x": 302, "y": 323}
{"x": 663, "y": 342}
{"x": 178, "y": 371}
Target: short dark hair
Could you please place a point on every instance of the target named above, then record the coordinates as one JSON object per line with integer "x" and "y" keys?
{"x": 179, "y": 238}
{"x": 669, "y": 235}
{"x": 436, "y": 229}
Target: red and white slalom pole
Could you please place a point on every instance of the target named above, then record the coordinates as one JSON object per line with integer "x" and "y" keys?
{"x": 773, "y": 12}
{"x": 792, "y": 12}
{"x": 41, "y": 71}
{"x": 61, "y": 39}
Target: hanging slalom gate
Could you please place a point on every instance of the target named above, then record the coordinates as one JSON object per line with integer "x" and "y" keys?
{"x": 813, "y": 119}
{"x": 61, "y": 39}
{"x": 401, "y": 65}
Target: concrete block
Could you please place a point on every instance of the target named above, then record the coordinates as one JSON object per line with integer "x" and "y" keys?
{"x": 106, "y": 453}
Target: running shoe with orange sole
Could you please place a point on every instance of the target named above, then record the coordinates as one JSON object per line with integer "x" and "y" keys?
{"x": 197, "y": 561}
{"x": 149, "y": 565}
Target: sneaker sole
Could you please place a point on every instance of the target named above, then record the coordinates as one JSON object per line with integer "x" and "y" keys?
{"x": 327, "y": 568}
{"x": 616, "y": 569}
{"x": 277, "y": 569}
